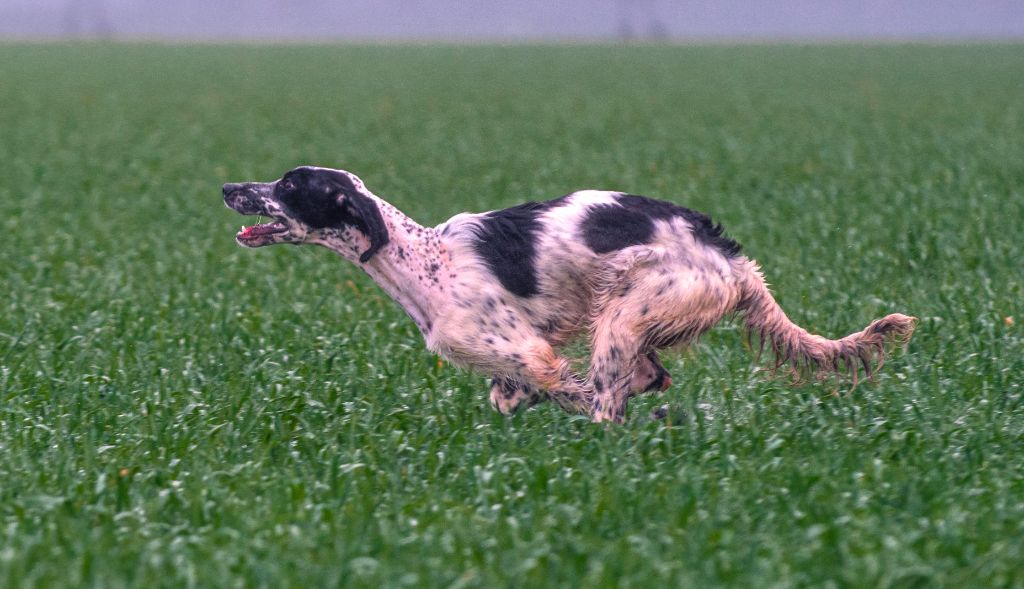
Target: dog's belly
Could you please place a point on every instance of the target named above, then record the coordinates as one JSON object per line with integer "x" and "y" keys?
{"x": 558, "y": 318}
{"x": 562, "y": 309}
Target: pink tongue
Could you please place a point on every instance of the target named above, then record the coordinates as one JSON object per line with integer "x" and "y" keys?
{"x": 261, "y": 229}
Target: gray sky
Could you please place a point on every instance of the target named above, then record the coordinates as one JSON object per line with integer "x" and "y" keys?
{"x": 274, "y": 20}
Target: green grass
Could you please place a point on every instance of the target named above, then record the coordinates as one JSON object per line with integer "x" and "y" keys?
{"x": 175, "y": 410}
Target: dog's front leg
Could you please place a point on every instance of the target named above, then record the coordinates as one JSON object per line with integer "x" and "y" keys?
{"x": 534, "y": 365}
{"x": 546, "y": 371}
{"x": 519, "y": 358}
{"x": 508, "y": 394}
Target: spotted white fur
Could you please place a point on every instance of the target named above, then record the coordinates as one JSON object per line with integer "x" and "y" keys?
{"x": 629, "y": 302}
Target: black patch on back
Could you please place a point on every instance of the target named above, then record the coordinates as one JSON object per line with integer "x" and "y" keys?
{"x": 507, "y": 242}
{"x": 612, "y": 227}
{"x": 609, "y": 227}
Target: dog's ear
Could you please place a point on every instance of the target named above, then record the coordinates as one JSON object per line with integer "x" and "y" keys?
{"x": 368, "y": 219}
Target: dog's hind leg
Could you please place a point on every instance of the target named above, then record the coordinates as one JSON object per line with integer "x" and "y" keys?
{"x": 613, "y": 365}
{"x": 623, "y": 362}
{"x": 644, "y": 311}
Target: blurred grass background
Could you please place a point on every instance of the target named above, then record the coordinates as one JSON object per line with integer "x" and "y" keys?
{"x": 175, "y": 410}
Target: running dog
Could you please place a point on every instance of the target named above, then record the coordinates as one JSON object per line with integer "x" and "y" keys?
{"x": 502, "y": 291}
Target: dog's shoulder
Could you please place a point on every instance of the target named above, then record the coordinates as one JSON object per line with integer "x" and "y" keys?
{"x": 507, "y": 242}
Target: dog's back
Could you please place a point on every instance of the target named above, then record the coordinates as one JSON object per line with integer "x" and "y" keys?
{"x": 560, "y": 259}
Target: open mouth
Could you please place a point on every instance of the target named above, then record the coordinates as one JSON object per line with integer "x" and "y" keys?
{"x": 253, "y": 232}
{"x": 262, "y": 233}
{"x": 250, "y": 199}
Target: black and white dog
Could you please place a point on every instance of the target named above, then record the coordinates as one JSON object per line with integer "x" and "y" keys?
{"x": 501, "y": 291}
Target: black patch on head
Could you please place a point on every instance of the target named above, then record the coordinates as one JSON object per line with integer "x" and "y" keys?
{"x": 507, "y": 242}
{"x": 311, "y": 196}
{"x": 323, "y": 198}
{"x": 630, "y": 222}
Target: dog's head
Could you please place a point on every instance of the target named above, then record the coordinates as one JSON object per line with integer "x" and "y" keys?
{"x": 310, "y": 205}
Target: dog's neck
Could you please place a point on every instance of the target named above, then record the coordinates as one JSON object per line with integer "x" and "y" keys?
{"x": 409, "y": 267}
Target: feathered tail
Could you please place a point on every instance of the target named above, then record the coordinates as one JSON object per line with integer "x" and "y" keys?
{"x": 809, "y": 354}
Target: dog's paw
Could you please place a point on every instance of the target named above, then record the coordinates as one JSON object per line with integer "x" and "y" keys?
{"x": 665, "y": 413}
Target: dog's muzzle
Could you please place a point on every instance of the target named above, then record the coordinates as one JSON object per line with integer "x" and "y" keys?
{"x": 250, "y": 198}
{"x": 244, "y": 198}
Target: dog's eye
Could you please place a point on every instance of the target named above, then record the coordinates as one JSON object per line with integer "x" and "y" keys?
{"x": 287, "y": 185}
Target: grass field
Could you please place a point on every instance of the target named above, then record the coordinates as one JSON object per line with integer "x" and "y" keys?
{"x": 178, "y": 411}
